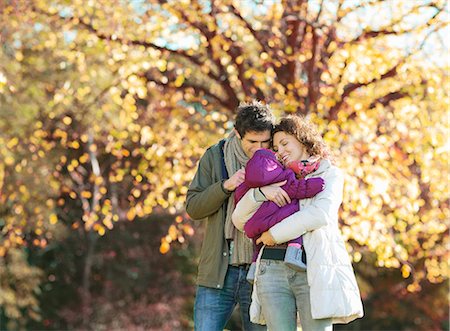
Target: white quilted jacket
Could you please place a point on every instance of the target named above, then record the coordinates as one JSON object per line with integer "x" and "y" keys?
{"x": 333, "y": 289}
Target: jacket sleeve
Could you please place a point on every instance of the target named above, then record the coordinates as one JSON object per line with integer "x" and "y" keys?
{"x": 246, "y": 207}
{"x": 267, "y": 216}
{"x": 302, "y": 188}
{"x": 240, "y": 191}
{"x": 321, "y": 212}
{"x": 204, "y": 196}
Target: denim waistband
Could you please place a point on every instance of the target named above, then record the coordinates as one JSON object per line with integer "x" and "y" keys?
{"x": 240, "y": 266}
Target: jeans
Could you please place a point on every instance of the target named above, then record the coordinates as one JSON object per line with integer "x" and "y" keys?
{"x": 213, "y": 307}
{"x": 282, "y": 292}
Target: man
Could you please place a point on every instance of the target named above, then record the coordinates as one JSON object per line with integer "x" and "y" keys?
{"x": 226, "y": 252}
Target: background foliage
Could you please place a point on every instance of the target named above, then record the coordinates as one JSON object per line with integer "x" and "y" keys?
{"x": 106, "y": 106}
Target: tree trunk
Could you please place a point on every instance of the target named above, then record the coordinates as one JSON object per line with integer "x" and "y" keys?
{"x": 86, "y": 306}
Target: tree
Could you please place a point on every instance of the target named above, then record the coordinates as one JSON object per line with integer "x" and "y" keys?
{"x": 82, "y": 151}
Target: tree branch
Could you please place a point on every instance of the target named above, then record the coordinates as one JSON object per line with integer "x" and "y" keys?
{"x": 388, "y": 98}
{"x": 389, "y": 30}
{"x": 224, "y": 79}
{"x": 349, "y": 88}
{"x": 198, "y": 88}
{"x": 103, "y": 36}
{"x": 258, "y": 36}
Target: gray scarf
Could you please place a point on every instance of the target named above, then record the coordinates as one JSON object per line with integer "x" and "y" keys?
{"x": 235, "y": 159}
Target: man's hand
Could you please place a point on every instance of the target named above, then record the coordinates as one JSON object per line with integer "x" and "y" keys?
{"x": 266, "y": 238}
{"x": 276, "y": 194}
{"x": 234, "y": 181}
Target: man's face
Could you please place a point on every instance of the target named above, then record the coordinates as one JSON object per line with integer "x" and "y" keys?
{"x": 254, "y": 140}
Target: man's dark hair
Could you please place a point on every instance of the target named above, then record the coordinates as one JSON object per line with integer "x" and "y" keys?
{"x": 254, "y": 116}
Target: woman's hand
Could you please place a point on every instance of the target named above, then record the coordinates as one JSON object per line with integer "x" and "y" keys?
{"x": 266, "y": 238}
{"x": 276, "y": 194}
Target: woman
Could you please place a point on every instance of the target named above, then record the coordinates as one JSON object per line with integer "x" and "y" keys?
{"x": 265, "y": 169}
{"x": 327, "y": 292}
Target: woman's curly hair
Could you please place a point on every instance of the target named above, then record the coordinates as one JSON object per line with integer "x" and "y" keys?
{"x": 306, "y": 133}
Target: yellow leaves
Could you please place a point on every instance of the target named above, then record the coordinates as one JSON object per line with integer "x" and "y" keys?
{"x": 9, "y": 160}
{"x": 3, "y": 81}
{"x": 107, "y": 221}
{"x": 406, "y": 270}
{"x": 179, "y": 81}
{"x": 99, "y": 229}
{"x": 19, "y": 56}
{"x": 74, "y": 145}
{"x": 53, "y": 219}
{"x": 67, "y": 120}
{"x": 438, "y": 269}
{"x": 173, "y": 233}
{"x": 12, "y": 142}
{"x": 117, "y": 99}
{"x": 414, "y": 287}
{"x": 83, "y": 92}
{"x": 60, "y": 134}
{"x": 161, "y": 65}
{"x": 83, "y": 158}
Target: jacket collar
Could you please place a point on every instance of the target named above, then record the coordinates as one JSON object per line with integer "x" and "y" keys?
{"x": 325, "y": 164}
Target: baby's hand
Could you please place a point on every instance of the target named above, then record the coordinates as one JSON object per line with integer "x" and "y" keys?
{"x": 314, "y": 186}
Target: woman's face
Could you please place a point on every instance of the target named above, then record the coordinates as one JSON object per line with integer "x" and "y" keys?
{"x": 288, "y": 148}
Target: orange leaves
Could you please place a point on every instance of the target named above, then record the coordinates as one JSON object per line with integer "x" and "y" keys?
{"x": 86, "y": 194}
{"x": 188, "y": 230}
{"x": 99, "y": 229}
{"x": 406, "y": 271}
{"x": 131, "y": 214}
{"x": 164, "y": 248}
{"x": 173, "y": 233}
{"x": 176, "y": 233}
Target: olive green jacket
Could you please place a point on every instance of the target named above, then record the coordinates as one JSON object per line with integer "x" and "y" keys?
{"x": 207, "y": 200}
